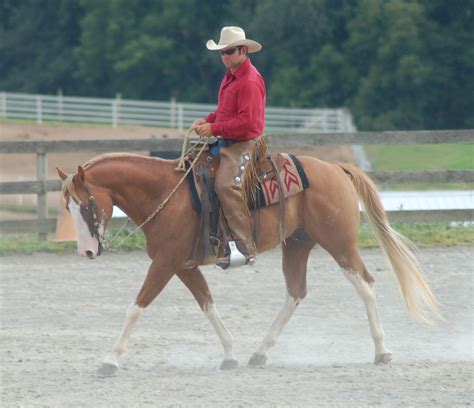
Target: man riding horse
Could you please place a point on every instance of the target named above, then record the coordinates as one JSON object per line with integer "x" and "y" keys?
{"x": 238, "y": 122}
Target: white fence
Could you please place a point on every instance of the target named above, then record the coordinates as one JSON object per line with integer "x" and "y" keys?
{"x": 172, "y": 114}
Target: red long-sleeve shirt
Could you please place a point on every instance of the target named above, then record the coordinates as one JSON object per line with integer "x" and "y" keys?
{"x": 240, "y": 113}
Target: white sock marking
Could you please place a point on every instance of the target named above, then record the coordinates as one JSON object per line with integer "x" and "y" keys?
{"x": 224, "y": 335}
{"x": 367, "y": 294}
{"x": 279, "y": 324}
{"x": 133, "y": 313}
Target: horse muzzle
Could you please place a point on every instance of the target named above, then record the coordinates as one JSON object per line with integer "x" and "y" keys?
{"x": 91, "y": 250}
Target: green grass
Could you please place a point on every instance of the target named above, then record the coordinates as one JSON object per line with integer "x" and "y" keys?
{"x": 29, "y": 243}
{"x": 421, "y": 157}
{"x": 440, "y": 234}
{"x": 423, "y": 235}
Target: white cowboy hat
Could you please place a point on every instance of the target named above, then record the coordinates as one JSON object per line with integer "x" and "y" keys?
{"x": 233, "y": 37}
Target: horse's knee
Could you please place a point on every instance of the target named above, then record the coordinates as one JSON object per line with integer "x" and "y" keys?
{"x": 298, "y": 293}
{"x": 147, "y": 296}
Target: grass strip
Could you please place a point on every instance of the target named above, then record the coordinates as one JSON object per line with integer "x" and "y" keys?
{"x": 422, "y": 234}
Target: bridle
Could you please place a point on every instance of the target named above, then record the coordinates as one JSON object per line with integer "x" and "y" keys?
{"x": 92, "y": 218}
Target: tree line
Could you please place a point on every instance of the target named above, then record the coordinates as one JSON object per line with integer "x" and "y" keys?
{"x": 396, "y": 64}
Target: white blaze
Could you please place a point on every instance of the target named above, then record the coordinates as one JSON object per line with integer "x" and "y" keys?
{"x": 85, "y": 242}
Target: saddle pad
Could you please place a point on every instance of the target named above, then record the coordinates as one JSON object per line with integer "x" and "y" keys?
{"x": 293, "y": 180}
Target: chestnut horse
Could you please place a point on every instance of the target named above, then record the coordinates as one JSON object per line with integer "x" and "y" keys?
{"x": 326, "y": 213}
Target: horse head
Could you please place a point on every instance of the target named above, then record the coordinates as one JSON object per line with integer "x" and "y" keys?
{"x": 90, "y": 207}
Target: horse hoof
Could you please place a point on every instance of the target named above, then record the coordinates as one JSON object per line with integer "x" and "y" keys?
{"x": 229, "y": 364}
{"x": 383, "y": 358}
{"x": 107, "y": 370}
{"x": 258, "y": 360}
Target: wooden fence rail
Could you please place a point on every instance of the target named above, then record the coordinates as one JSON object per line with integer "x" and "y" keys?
{"x": 44, "y": 224}
{"x": 280, "y": 140}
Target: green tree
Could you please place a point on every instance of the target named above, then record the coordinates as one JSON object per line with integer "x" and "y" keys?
{"x": 449, "y": 43}
{"x": 37, "y": 38}
{"x": 388, "y": 51}
{"x": 148, "y": 49}
{"x": 414, "y": 60}
{"x": 293, "y": 35}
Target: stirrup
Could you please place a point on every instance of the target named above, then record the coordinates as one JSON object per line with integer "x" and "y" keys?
{"x": 235, "y": 258}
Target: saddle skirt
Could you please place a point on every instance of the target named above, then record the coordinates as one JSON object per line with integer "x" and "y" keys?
{"x": 292, "y": 179}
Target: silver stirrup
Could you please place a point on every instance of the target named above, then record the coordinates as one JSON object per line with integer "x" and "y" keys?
{"x": 236, "y": 257}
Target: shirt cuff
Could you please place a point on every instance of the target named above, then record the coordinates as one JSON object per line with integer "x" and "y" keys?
{"x": 216, "y": 129}
{"x": 210, "y": 118}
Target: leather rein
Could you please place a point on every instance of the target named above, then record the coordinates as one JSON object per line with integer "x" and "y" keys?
{"x": 180, "y": 167}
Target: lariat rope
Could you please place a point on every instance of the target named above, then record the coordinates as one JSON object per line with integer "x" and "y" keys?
{"x": 181, "y": 167}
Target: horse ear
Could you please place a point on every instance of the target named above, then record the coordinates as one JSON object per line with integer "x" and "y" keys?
{"x": 81, "y": 174}
{"x": 61, "y": 173}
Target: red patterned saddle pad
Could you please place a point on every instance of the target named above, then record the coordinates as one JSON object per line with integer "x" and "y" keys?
{"x": 293, "y": 181}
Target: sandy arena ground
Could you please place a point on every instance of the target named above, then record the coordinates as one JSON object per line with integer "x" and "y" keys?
{"x": 61, "y": 314}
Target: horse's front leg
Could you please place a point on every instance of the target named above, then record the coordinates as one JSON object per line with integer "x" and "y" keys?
{"x": 157, "y": 278}
{"x": 196, "y": 283}
{"x": 295, "y": 258}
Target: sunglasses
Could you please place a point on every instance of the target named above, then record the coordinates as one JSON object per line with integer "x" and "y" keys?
{"x": 230, "y": 51}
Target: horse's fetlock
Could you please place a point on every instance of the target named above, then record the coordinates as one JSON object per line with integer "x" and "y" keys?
{"x": 270, "y": 343}
{"x": 120, "y": 348}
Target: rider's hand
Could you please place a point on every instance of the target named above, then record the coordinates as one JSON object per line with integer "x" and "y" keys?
{"x": 204, "y": 130}
{"x": 198, "y": 122}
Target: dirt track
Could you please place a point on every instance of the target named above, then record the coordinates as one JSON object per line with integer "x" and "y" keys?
{"x": 61, "y": 314}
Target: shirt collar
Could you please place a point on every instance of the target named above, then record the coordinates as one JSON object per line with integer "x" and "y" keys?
{"x": 243, "y": 68}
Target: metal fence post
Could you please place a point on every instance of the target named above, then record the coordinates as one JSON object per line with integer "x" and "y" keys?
{"x": 340, "y": 120}
{"x": 115, "y": 110}
{"x": 114, "y": 114}
{"x": 180, "y": 118}
{"x": 325, "y": 123}
{"x": 39, "y": 112}
{"x": 3, "y": 104}
{"x": 42, "y": 202}
{"x": 173, "y": 113}
{"x": 60, "y": 105}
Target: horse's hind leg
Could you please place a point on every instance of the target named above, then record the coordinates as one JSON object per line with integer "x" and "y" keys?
{"x": 295, "y": 258}
{"x": 156, "y": 279}
{"x": 196, "y": 283}
{"x": 355, "y": 270}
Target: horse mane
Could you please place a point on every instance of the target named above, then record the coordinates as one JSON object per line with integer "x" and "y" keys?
{"x": 111, "y": 156}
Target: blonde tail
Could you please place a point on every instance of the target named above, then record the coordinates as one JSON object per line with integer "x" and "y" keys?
{"x": 401, "y": 259}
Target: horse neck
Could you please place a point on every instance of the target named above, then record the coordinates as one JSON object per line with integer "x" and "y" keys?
{"x": 135, "y": 184}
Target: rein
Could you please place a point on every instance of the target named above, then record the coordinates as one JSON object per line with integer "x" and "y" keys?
{"x": 181, "y": 167}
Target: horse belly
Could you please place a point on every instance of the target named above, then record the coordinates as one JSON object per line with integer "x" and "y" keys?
{"x": 268, "y": 222}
